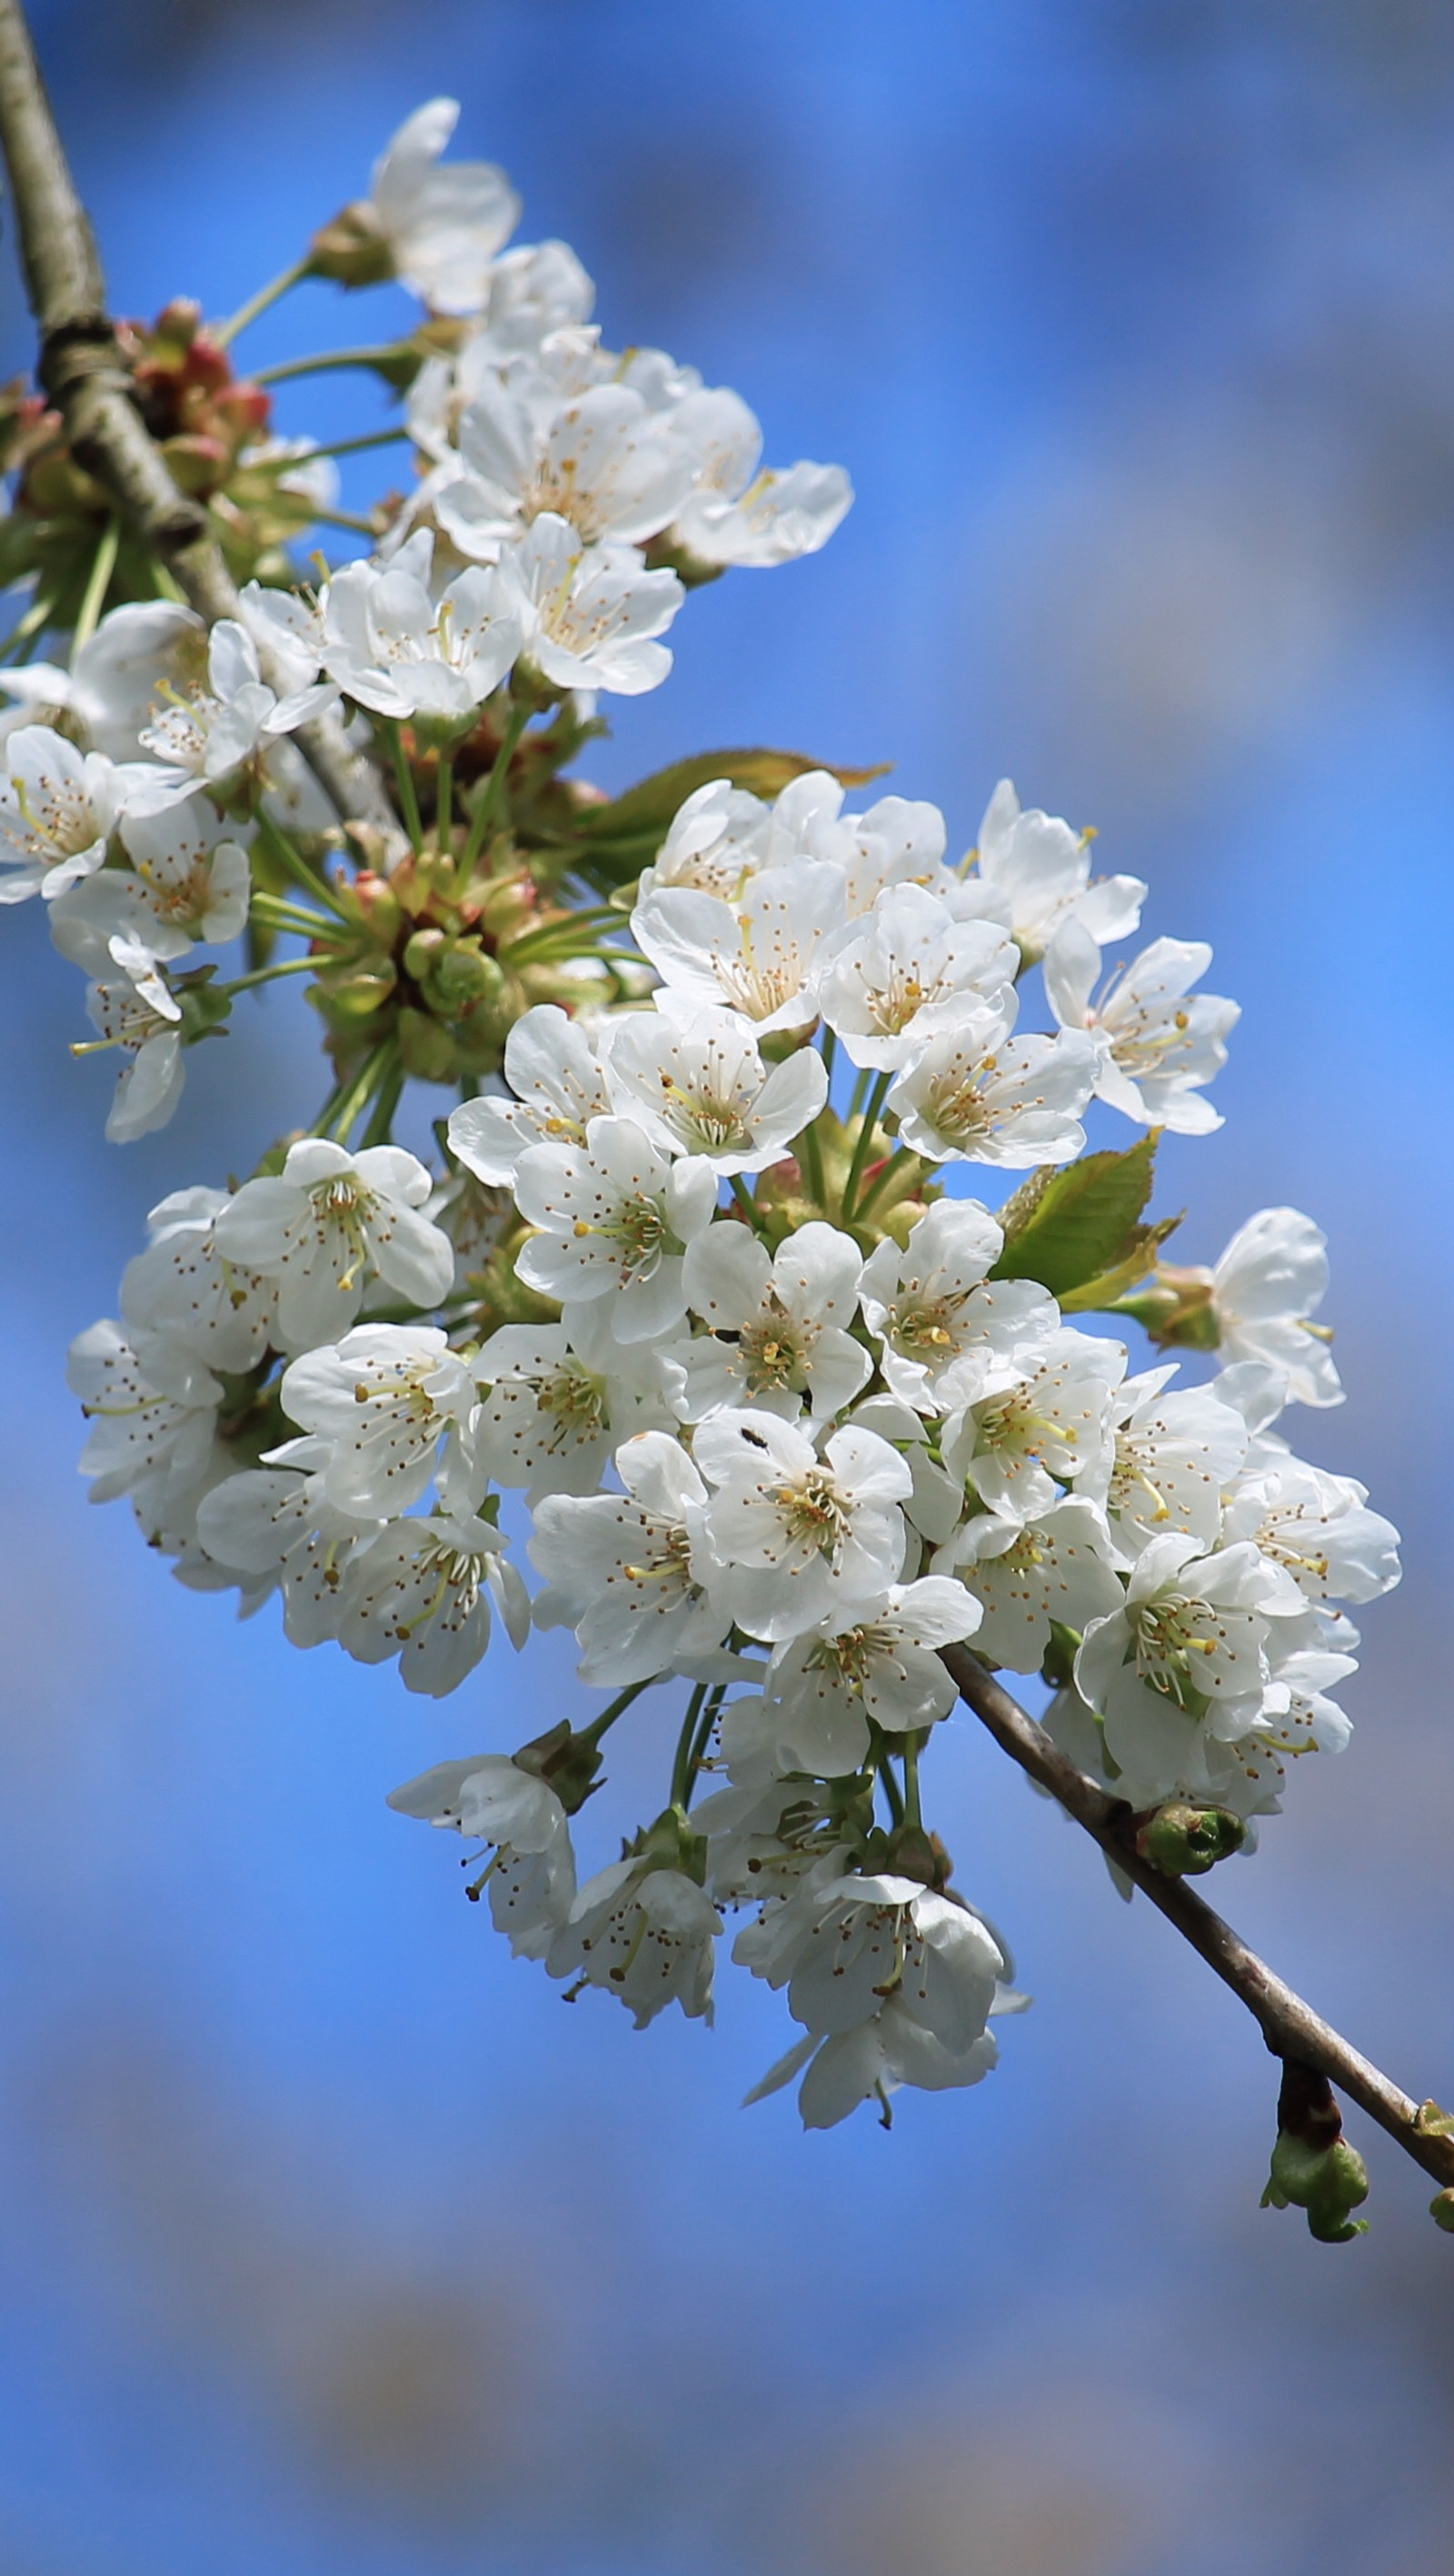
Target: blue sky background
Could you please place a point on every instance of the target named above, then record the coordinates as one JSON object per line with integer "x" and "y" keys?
{"x": 327, "y": 2241}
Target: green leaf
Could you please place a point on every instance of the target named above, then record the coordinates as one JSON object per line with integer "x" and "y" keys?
{"x": 624, "y": 836}
{"x": 1075, "y": 1226}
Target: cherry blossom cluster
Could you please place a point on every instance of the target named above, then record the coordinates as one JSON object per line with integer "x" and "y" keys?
{"x": 741, "y": 1304}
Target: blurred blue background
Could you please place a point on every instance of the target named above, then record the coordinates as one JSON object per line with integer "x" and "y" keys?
{"x": 327, "y": 2240}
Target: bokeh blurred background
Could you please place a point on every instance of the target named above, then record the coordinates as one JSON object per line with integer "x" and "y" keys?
{"x": 327, "y": 2241}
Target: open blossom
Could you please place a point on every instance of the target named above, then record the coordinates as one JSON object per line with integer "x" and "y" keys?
{"x": 803, "y": 1537}
{"x": 1058, "y": 1566}
{"x": 1053, "y": 1422}
{"x": 1159, "y": 1042}
{"x": 559, "y": 1083}
{"x": 1317, "y": 1526}
{"x": 625, "y": 1570}
{"x": 58, "y": 807}
{"x": 1177, "y": 1453}
{"x": 778, "y": 1334}
{"x": 1270, "y": 1281}
{"x": 600, "y": 458}
{"x": 184, "y": 1285}
{"x": 382, "y": 1401}
{"x": 201, "y": 736}
{"x": 559, "y": 1397}
{"x": 615, "y": 1219}
{"x": 531, "y": 1882}
{"x": 761, "y": 955}
{"x": 740, "y": 512}
{"x": 1186, "y": 1651}
{"x": 328, "y": 1223}
{"x": 642, "y": 1933}
{"x": 905, "y": 974}
{"x": 152, "y": 1407}
{"x": 395, "y": 649}
{"x": 695, "y": 1081}
{"x": 824, "y": 1687}
{"x": 1032, "y": 873}
{"x": 717, "y": 839}
{"x": 441, "y": 221}
{"x": 978, "y": 1095}
{"x": 421, "y": 1589}
{"x": 133, "y": 1008}
{"x": 589, "y": 615}
{"x": 935, "y": 1313}
{"x": 276, "y": 1524}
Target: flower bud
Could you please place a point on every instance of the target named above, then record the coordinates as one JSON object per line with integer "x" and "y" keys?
{"x": 1186, "y": 1841}
{"x": 1441, "y": 2210}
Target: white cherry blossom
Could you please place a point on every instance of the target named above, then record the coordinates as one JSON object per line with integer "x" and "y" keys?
{"x": 277, "y": 1523}
{"x": 185, "y": 885}
{"x": 421, "y": 1589}
{"x": 717, "y": 839}
{"x": 1032, "y": 872}
{"x": 184, "y": 1285}
{"x": 694, "y": 1080}
{"x": 1059, "y": 1566}
{"x": 804, "y": 1537}
{"x": 443, "y": 221}
{"x": 1177, "y": 1454}
{"x": 395, "y": 649}
{"x": 1269, "y": 1282}
{"x": 589, "y": 615}
{"x": 133, "y": 1008}
{"x": 382, "y": 1401}
{"x": 1054, "y": 1422}
{"x": 977, "y": 1094}
{"x": 152, "y": 1407}
{"x": 58, "y": 808}
{"x": 740, "y": 512}
{"x": 602, "y": 460}
{"x": 932, "y": 1309}
{"x": 1160, "y": 1044}
{"x": 1316, "y": 1525}
{"x": 531, "y": 1882}
{"x": 328, "y": 1223}
{"x": 762, "y": 954}
{"x": 1185, "y": 1651}
{"x": 625, "y": 1570}
{"x": 823, "y": 1688}
{"x": 907, "y": 973}
{"x": 642, "y": 1933}
{"x": 615, "y": 1218}
{"x": 558, "y": 1398}
{"x": 558, "y": 1078}
{"x": 778, "y": 1323}
{"x": 202, "y": 735}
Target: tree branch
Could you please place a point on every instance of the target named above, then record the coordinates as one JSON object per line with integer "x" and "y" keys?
{"x": 1292, "y": 2030}
{"x": 82, "y": 371}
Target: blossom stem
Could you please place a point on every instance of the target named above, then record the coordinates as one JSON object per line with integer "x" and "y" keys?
{"x": 98, "y": 582}
{"x": 746, "y": 1202}
{"x": 353, "y": 520}
{"x": 895, "y": 1164}
{"x": 878, "y": 1094}
{"x": 354, "y": 1097}
{"x": 380, "y": 1129}
{"x": 830, "y": 1051}
{"x": 269, "y": 974}
{"x": 681, "y": 1770}
{"x": 912, "y": 1812}
{"x": 813, "y": 1158}
{"x": 323, "y": 360}
{"x": 276, "y": 913}
{"x": 617, "y": 1708}
{"x": 35, "y": 621}
{"x": 226, "y": 332}
{"x": 444, "y": 807}
{"x": 488, "y": 797}
{"x": 335, "y": 447}
{"x": 1292, "y": 2030}
{"x": 891, "y": 1788}
{"x": 275, "y": 840}
{"x": 408, "y": 794}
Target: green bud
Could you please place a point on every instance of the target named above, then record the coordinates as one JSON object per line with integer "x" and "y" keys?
{"x": 357, "y": 995}
{"x": 1186, "y": 1841}
{"x": 1441, "y": 2210}
{"x": 428, "y": 1050}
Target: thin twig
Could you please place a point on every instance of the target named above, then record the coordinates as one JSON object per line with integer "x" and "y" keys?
{"x": 1291, "y": 2028}
{"x": 85, "y": 376}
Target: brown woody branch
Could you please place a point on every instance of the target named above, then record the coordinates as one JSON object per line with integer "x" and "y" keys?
{"x": 82, "y": 371}
{"x": 1292, "y": 2030}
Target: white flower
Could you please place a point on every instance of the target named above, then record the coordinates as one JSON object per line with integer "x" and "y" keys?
{"x": 121, "y": 676}
{"x": 184, "y": 1285}
{"x": 559, "y": 1397}
{"x": 152, "y": 1408}
{"x": 804, "y": 1538}
{"x": 203, "y": 734}
{"x": 133, "y": 1008}
{"x": 588, "y": 614}
{"x": 645, "y": 1934}
{"x": 1032, "y": 872}
{"x": 57, "y": 810}
{"x": 559, "y": 1083}
{"x": 278, "y": 1523}
{"x": 1057, "y": 1567}
{"x": 718, "y": 838}
{"x": 382, "y": 1402}
{"x": 328, "y": 1223}
{"x": 1159, "y": 1043}
{"x": 602, "y": 460}
{"x": 625, "y": 1569}
{"x": 907, "y": 974}
{"x": 185, "y": 885}
{"x": 779, "y": 1323}
{"x": 1011, "y": 1446}
{"x": 1177, "y": 1454}
{"x": 290, "y": 627}
{"x": 930, "y": 1306}
{"x": 420, "y": 1589}
{"x": 1185, "y": 1652}
{"x": 737, "y": 513}
{"x": 823, "y": 1688}
{"x": 1297, "y": 1715}
{"x": 1272, "y": 1277}
{"x": 532, "y": 1878}
{"x": 443, "y": 224}
{"x": 615, "y": 1219}
{"x": 695, "y": 1081}
{"x": 761, "y": 955}
{"x": 394, "y": 649}
{"x": 979, "y": 1095}
{"x": 1317, "y": 1526}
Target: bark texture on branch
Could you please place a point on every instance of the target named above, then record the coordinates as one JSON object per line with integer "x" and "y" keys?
{"x": 1291, "y": 2028}
{"x": 83, "y": 373}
